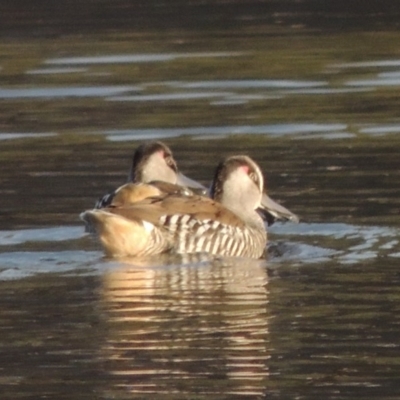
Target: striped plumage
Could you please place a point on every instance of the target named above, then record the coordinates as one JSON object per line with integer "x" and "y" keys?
{"x": 227, "y": 225}
{"x": 191, "y": 235}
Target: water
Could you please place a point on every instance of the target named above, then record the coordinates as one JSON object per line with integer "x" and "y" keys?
{"x": 224, "y": 131}
{"x": 62, "y": 92}
{"x": 316, "y": 106}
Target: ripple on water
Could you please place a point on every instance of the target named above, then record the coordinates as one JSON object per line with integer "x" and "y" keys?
{"x": 374, "y": 82}
{"x": 27, "y": 135}
{"x": 21, "y": 264}
{"x": 248, "y": 84}
{"x": 55, "y": 71}
{"x": 369, "y": 64}
{"x": 283, "y": 250}
{"x": 351, "y": 243}
{"x": 382, "y": 79}
{"x": 174, "y": 318}
{"x": 170, "y": 96}
{"x": 272, "y": 129}
{"x": 325, "y": 91}
{"x": 297, "y": 243}
{"x": 390, "y": 75}
{"x": 242, "y": 91}
{"x": 60, "y": 92}
{"x": 381, "y": 129}
{"x": 53, "y": 234}
{"x": 138, "y": 58}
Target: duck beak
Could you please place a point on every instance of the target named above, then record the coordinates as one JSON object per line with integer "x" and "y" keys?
{"x": 183, "y": 180}
{"x": 271, "y": 211}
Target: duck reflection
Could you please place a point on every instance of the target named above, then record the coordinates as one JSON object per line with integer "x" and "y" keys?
{"x": 187, "y": 325}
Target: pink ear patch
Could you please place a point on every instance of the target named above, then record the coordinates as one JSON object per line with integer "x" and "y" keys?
{"x": 245, "y": 168}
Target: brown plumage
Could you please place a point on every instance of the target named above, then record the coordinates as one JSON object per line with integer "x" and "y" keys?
{"x": 152, "y": 164}
{"x": 228, "y": 225}
{"x": 131, "y": 193}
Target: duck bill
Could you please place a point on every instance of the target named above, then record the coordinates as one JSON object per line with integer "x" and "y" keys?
{"x": 183, "y": 180}
{"x": 271, "y": 211}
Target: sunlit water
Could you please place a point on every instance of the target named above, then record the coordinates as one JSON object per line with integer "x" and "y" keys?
{"x": 301, "y": 244}
{"x": 306, "y": 318}
{"x": 316, "y": 318}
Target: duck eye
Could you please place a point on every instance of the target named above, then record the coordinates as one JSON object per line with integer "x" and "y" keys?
{"x": 253, "y": 176}
{"x": 170, "y": 162}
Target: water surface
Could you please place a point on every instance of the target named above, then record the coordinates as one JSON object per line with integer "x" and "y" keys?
{"x": 315, "y": 106}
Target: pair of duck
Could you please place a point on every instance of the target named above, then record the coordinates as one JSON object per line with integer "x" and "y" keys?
{"x": 161, "y": 210}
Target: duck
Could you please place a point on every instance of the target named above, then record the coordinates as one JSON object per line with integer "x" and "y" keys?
{"x": 154, "y": 171}
{"x": 227, "y": 224}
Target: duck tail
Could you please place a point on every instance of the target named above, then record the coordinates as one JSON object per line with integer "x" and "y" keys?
{"x": 119, "y": 236}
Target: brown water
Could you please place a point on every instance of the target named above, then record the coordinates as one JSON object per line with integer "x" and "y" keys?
{"x": 310, "y": 94}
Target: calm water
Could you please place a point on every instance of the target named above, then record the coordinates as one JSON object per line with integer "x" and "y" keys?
{"x": 312, "y": 96}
